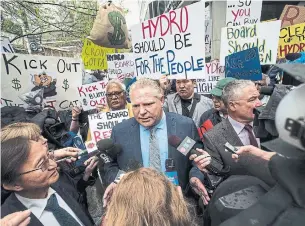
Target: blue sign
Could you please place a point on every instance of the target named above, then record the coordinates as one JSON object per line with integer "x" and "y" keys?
{"x": 244, "y": 65}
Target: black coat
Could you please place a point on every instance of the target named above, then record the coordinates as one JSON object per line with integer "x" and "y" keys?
{"x": 69, "y": 190}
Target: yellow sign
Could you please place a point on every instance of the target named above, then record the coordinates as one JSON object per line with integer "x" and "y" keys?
{"x": 94, "y": 56}
{"x": 292, "y": 40}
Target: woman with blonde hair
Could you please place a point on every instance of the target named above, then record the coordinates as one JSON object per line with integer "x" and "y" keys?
{"x": 145, "y": 197}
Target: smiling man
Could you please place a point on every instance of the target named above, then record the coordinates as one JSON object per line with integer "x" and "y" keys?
{"x": 186, "y": 102}
{"x": 144, "y": 138}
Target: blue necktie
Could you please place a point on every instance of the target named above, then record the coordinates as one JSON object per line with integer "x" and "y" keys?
{"x": 61, "y": 215}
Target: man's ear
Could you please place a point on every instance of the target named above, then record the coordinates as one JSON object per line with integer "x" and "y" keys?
{"x": 232, "y": 106}
{"x": 162, "y": 100}
{"x": 12, "y": 187}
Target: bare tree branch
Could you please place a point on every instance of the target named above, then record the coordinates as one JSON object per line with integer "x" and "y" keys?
{"x": 39, "y": 33}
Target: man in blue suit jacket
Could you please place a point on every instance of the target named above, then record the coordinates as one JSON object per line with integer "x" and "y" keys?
{"x": 134, "y": 136}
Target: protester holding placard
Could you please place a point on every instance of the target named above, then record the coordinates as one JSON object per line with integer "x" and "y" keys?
{"x": 186, "y": 102}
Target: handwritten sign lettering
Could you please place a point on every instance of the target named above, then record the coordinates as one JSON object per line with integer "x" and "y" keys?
{"x": 243, "y": 12}
{"x": 264, "y": 36}
{"x": 244, "y": 65}
{"x": 6, "y": 46}
{"x": 93, "y": 94}
{"x": 292, "y": 15}
{"x": 121, "y": 66}
{"x": 213, "y": 73}
{"x": 58, "y": 77}
{"x": 171, "y": 44}
{"x": 101, "y": 124}
{"x": 208, "y": 37}
{"x": 292, "y": 40}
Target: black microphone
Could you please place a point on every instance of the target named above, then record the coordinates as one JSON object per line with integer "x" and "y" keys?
{"x": 107, "y": 150}
{"x": 266, "y": 90}
{"x": 184, "y": 146}
{"x": 189, "y": 145}
{"x": 293, "y": 56}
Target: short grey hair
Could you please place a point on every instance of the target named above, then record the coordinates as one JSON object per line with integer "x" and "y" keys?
{"x": 233, "y": 90}
{"x": 117, "y": 82}
{"x": 146, "y": 82}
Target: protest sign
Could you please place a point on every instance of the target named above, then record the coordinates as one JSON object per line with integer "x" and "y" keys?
{"x": 265, "y": 36}
{"x": 91, "y": 95}
{"x": 120, "y": 66}
{"x": 292, "y": 15}
{"x": 94, "y": 56}
{"x": 292, "y": 40}
{"x": 101, "y": 124}
{"x": 58, "y": 76}
{"x": 171, "y": 43}
{"x": 208, "y": 38}
{"x": 213, "y": 73}
{"x": 6, "y": 46}
{"x": 243, "y": 12}
{"x": 244, "y": 65}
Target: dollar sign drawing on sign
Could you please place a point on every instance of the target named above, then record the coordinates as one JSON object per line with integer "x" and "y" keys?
{"x": 118, "y": 36}
{"x": 66, "y": 86}
{"x": 16, "y": 86}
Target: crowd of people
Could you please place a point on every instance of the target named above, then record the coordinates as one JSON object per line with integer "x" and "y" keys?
{"x": 38, "y": 188}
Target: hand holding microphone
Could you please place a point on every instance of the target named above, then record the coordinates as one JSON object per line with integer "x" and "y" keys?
{"x": 202, "y": 160}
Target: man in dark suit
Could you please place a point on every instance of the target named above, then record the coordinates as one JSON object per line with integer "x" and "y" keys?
{"x": 29, "y": 171}
{"x": 144, "y": 138}
{"x": 241, "y": 98}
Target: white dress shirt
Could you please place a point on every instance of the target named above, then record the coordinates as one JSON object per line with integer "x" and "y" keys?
{"x": 242, "y": 132}
{"x": 37, "y": 207}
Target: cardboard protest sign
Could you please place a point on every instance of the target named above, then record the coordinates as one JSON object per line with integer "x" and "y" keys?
{"x": 6, "y": 46}
{"x": 244, "y": 65}
{"x": 243, "y": 12}
{"x": 265, "y": 36}
{"x": 292, "y": 40}
{"x": 121, "y": 66}
{"x": 101, "y": 124}
{"x": 58, "y": 76}
{"x": 208, "y": 37}
{"x": 171, "y": 44}
{"x": 94, "y": 56}
{"x": 292, "y": 15}
{"x": 213, "y": 73}
{"x": 91, "y": 95}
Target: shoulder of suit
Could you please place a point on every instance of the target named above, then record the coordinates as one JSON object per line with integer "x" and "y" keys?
{"x": 178, "y": 117}
{"x": 217, "y": 129}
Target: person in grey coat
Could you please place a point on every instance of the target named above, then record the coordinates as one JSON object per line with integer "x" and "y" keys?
{"x": 186, "y": 102}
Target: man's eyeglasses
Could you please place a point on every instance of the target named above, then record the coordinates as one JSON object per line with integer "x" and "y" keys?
{"x": 43, "y": 166}
{"x": 116, "y": 94}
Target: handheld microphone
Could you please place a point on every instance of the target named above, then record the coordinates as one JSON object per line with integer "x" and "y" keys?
{"x": 189, "y": 145}
{"x": 107, "y": 150}
{"x": 171, "y": 172}
{"x": 184, "y": 146}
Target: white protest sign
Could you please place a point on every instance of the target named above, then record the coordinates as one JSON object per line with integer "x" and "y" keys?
{"x": 6, "y": 46}
{"x": 101, "y": 124}
{"x": 208, "y": 37}
{"x": 58, "y": 76}
{"x": 264, "y": 36}
{"x": 171, "y": 43}
{"x": 243, "y": 12}
{"x": 213, "y": 73}
{"x": 121, "y": 66}
{"x": 93, "y": 94}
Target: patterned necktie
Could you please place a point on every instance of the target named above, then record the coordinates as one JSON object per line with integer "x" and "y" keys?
{"x": 61, "y": 215}
{"x": 251, "y": 136}
{"x": 154, "y": 151}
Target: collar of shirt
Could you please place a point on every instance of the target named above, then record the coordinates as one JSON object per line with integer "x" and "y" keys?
{"x": 36, "y": 206}
{"x": 238, "y": 126}
{"x": 160, "y": 125}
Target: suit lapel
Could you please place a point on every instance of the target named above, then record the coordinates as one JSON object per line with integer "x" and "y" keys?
{"x": 230, "y": 134}
{"x": 135, "y": 143}
{"x": 73, "y": 204}
{"x": 15, "y": 205}
{"x": 171, "y": 131}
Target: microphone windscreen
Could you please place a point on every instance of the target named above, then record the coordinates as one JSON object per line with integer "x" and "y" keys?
{"x": 104, "y": 144}
{"x": 174, "y": 141}
{"x": 266, "y": 90}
